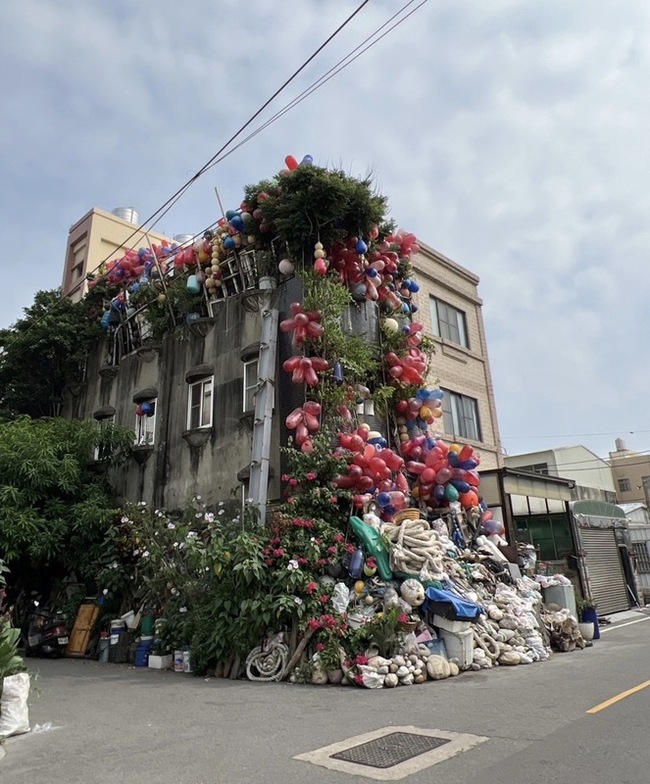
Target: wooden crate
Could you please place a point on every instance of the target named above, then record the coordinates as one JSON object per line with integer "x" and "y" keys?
{"x": 83, "y": 629}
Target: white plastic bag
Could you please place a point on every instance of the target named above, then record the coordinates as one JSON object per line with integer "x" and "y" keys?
{"x": 14, "y": 713}
{"x": 341, "y": 598}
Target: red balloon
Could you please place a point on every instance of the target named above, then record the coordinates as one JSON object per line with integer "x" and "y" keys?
{"x": 427, "y": 476}
{"x": 291, "y": 163}
{"x": 466, "y": 452}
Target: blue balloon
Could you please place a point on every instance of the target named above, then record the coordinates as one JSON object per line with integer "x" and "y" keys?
{"x": 307, "y": 161}
{"x": 413, "y": 286}
{"x": 414, "y": 307}
{"x": 105, "y": 320}
{"x": 437, "y": 394}
{"x": 360, "y": 247}
{"x": 237, "y": 222}
{"x": 422, "y": 395}
{"x": 390, "y": 509}
{"x": 229, "y": 243}
{"x": 406, "y": 308}
{"x": 230, "y": 214}
{"x": 371, "y": 272}
{"x": 461, "y": 485}
{"x": 383, "y": 499}
{"x": 454, "y": 460}
{"x": 439, "y": 493}
{"x": 469, "y": 464}
{"x": 141, "y": 252}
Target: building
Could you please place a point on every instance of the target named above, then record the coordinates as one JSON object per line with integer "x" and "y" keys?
{"x": 591, "y": 475}
{"x": 450, "y": 310}
{"x": 97, "y": 237}
{"x": 631, "y": 472}
{"x": 201, "y": 386}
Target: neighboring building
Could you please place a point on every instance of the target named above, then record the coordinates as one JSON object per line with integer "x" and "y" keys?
{"x": 631, "y": 472}
{"x": 591, "y": 475}
{"x": 201, "y": 386}
{"x": 450, "y": 310}
{"x": 99, "y": 236}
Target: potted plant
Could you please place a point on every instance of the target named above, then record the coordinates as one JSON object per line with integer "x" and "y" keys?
{"x": 588, "y": 619}
{"x": 329, "y": 655}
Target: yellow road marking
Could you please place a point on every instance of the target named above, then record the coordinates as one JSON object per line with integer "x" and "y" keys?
{"x": 618, "y": 698}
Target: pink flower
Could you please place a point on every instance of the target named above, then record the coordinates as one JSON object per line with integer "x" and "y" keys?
{"x": 310, "y": 476}
{"x": 302, "y": 561}
{"x": 361, "y": 659}
{"x": 338, "y": 537}
{"x": 403, "y": 618}
{"x": 278, "y": 553}
{"x": 324, "y": 598}
{"x": 293, "y": 482}
{"x": 285, "y": 477}
{"x": 350, "y": 548}
{"x": 269, "y": 562}
{"x": 313, "y": 624}
{"x": 332, "y": 550}
{"x": 311, "y": 587}
{"x": 358, "y": 679}
{"x": 333, "y": 499}
{"x": 291, "y": 500}
{"x": 320, "y": 647}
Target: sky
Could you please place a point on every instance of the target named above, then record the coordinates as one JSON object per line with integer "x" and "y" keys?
{"x": 511, "y": 136}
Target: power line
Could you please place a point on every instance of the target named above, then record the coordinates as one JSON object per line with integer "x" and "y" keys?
{"x": 580, "y": 435}
{"x": 161, "y": 211}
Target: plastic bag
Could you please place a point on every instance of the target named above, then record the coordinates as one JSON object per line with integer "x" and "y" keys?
{"x": 341, "y": 598}
{"x": 371, "y": 678}
{"x": 14, "y": 714}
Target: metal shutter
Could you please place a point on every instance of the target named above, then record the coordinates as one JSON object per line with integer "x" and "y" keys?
{"x": 604, "y": 570}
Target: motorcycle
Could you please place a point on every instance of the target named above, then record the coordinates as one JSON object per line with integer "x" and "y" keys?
{"x": 47, "y": 634}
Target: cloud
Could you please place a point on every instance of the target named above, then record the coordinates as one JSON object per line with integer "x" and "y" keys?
{"x": 509, "y": 135}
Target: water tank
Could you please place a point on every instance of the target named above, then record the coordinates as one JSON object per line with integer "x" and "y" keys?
{"x": 620, "y": 445}
{"x": 127, "y": 214}
{"x": 183, "y": 239}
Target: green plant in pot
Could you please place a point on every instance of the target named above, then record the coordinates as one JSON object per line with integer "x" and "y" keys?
{"x": 10, "y": 662}
{"x": 585, "y": 606}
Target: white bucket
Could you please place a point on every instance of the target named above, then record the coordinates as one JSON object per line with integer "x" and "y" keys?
{"x": 178, "y": 661}
{"x": 187, "y": 663}
{"x": 128, "y": 619}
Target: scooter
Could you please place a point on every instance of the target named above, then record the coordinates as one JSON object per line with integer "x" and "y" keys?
{"x": 47, "y": 634}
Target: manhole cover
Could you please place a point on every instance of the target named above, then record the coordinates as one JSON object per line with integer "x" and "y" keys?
{"x": 390, "y": 750}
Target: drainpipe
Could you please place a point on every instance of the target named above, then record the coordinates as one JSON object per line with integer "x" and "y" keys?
{"x": 264, "y": 400}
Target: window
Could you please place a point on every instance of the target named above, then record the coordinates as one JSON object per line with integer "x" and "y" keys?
{"x": 250, "y": 383}
{"x": 145, "y": 423}
{"x": 101, "y": 449}
{"x": 535, "y": 468}
{"x": 460, "y": 416}
{"x": 449, "y": 322}
{"x": 199, "y": 409}
{"x": 624, "y": 485}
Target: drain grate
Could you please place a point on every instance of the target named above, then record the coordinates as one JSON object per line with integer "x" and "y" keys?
{"x": 390, "y": 750}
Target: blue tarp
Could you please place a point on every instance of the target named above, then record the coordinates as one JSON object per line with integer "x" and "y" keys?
{"x": 450, "y": 605}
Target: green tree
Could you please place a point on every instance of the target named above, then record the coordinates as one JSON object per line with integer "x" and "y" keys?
{"x": 44, "y": 351}
{"x": 55, "y": 501}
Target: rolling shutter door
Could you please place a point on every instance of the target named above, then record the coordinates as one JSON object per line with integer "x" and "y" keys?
{"x": 604, "y": 570}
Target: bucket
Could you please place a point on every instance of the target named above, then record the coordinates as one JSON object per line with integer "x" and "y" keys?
{"x": 104, "y": 645}
{"x": 147, "y": 625}
{"x": 117, "y": 625}
{"x": 129, "y": 620}
{"x": 187, "y": 663}
{"x": 142, "y": 655}
{"x": 115, "y": 638}
{"x": 179, "y": 661}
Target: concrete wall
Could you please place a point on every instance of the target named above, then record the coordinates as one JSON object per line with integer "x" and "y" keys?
{"x": 633, "y": 467}
{"x": 175, "y": 471}
{"x": 459, "y": 369}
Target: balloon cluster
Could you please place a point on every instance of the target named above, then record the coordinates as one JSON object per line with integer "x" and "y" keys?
{"x": 305, "y": 421}
{"x": 409, "y": 369}
{"x": 489, "y": 525}
{"x": 372, "y": 470}
{"x": 442, "y": 474}
{"x": 418, "y": 412}
{"x": 144, "y": 409}
{"x": 304, "y": 370}
{"x": 303, "y": 325}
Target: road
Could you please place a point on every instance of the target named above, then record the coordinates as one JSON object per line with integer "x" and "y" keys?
{"x": 115, "y": 724}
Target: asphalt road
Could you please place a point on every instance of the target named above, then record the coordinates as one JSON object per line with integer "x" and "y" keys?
{"x": 116, "y": 724}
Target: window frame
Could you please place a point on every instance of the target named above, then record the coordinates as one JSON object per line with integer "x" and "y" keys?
{"x": 101, "y": 423}
{"x": 200, "y": 383}
{"x": 247, "y": 386}
{"x": 455, "y": 333}
{"x": 454, "y": 411}
{"x": 146, "y": 424}
{"x": 624, "y": 485}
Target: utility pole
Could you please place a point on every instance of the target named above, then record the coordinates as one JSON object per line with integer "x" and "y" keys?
{"x": 264, "y": 399}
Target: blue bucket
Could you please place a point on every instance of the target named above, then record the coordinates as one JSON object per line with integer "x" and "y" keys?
{"x": 142, "y": 654}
